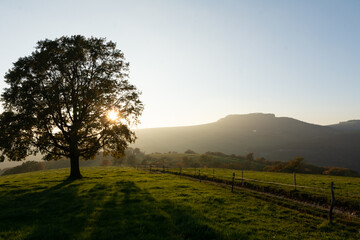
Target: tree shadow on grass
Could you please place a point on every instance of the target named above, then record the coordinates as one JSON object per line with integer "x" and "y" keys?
{"x": 118, "y": 210}
{"x": 55, "y": 213}
{"x": 132, "y": 213}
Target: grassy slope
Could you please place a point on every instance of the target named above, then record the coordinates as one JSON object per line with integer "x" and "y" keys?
{"x": 343, "y": 185}
{"x": 118, "y": 203}
{"x": 347, "y": 189}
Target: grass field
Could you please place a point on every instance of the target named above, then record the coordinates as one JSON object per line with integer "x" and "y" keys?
{"x": 347, "y": 189}
{"x": 122, "y": 203}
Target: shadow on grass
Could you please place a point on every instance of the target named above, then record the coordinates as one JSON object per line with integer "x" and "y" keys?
{"x": 55, "y": 213}
{"x": 132, "y": 213}
{"x": 118, "y": 210}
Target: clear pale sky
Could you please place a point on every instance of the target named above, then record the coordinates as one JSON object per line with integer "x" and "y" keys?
{"x": 198, "y": 61}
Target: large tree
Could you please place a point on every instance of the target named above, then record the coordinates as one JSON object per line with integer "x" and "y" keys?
{"x": 70, "y": 98}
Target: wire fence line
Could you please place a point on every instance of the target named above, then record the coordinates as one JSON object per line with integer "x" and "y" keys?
{"x": 340, "y": 190}
{"x": 196, "y": 173}
{"x": 281, "y": 184}
{"x": 347, "y": 203}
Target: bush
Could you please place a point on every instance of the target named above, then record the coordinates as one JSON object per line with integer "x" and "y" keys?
{"x": 189, "y": 151}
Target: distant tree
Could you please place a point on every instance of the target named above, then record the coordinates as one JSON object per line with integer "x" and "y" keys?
{"x": 250, "y": 156}
{"x": 131, "y": 160}
{"x": 180, "y": 164}
{"x": 189, "y": 151}
{"x": 196, "y": 164}
{"x": 295, "y": 164}
{"x": 59, "y": 99}
{"x": 118, "y": 161}
{"x": 187, "y": 161}
{"x": 145, "y": 161}
{"x": 262, "y": 160}
{"x": 105, "y": 162}
{"x": 240, "y": 157}
{"x": 137, "y": 151}
{"x": 205, "y": 160}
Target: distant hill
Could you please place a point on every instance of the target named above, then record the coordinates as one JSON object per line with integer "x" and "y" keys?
{"x": 352, "y": 125}
{"x": 275, "y": 138}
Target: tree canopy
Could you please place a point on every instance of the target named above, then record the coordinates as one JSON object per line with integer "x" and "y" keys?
{"x": 59, "y": 100}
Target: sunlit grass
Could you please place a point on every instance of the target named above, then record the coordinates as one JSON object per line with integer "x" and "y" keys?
{"x": 119, "y": 203}
{"x": 346, "y": 188}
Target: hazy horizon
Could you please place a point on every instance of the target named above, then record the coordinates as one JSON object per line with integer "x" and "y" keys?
{"x": 345, "y": 120}
{"x": 241, "y": 119}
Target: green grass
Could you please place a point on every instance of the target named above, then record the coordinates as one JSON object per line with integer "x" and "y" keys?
{"x": 118, "y": 203}
{"x": 347, "y": 189}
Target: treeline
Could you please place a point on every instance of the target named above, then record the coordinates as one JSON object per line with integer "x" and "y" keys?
{"x": 242, "y": 162}
{"x": 132, "y": 157}
{"x": 300, "y": 166}
{"x": 29, "y": 166}
{"x": 220, "y": 160}
{"x": 190, "y": 159}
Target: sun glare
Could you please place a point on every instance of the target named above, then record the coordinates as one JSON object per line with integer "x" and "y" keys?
{"x": 112, "y": 115}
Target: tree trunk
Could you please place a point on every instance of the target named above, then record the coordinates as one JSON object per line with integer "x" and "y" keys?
{"x": 74, "y": 168}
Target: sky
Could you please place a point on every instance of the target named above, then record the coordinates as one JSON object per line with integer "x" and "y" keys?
{"x": 198, "y": 61}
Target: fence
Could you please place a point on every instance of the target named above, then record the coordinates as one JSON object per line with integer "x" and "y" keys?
{"x": 321, "y": 195}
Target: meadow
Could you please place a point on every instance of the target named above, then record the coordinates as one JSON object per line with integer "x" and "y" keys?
{"x": 310, "y": 187}
{"x": 124, "y": 203}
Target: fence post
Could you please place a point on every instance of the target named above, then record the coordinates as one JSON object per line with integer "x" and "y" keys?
{"x": 233, "y": 182}
{"x": 199, "y": 176}
{"x": 332, "y": 203}
{"x": 242, "y": 176}
{"x": 295, "y": 180}
{"x": 213, "y": 173}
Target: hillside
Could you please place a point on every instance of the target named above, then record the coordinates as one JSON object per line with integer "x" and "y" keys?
{"x": 122, "y": 203}
{"x": 275, "y": 138}
{"x": 352, "y": 125}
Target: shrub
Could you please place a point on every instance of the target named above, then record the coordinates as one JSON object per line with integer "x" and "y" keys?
{"x": 189, "y": 151}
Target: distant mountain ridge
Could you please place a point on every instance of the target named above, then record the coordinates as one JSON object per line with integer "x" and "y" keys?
{"x": 351, "y": 125}
{"x": 275, "y": 138}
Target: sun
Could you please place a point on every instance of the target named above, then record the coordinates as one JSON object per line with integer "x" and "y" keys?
{"x": 112, "y": 115}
